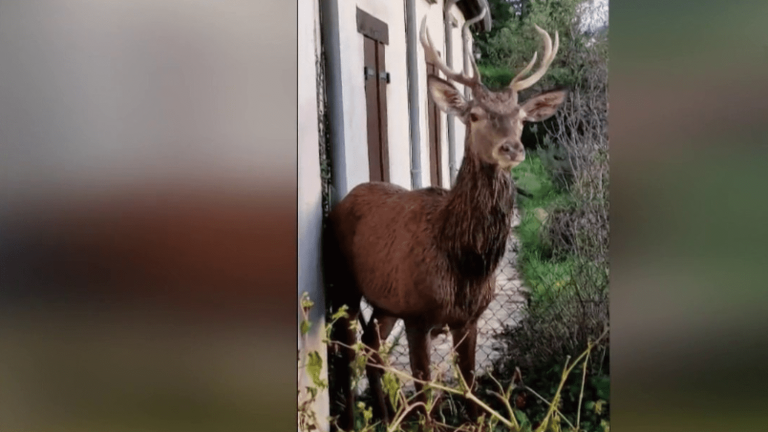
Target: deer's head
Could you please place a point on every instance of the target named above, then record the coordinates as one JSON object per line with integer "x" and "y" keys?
{"x": 494, "y": 119}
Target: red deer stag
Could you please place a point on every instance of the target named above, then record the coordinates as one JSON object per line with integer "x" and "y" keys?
{"x": 428, "y": 256}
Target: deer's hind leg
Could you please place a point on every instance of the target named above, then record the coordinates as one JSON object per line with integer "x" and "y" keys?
{"x": 378, "y": 328}
{"x": 342, "y": 365}
{"x": 341, "y": 290}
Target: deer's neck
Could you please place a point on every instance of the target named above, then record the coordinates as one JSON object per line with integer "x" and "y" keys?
{"x": 475, "y": 220}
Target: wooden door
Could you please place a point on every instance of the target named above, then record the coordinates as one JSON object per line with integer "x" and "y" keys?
{"x": 433, "y": 113}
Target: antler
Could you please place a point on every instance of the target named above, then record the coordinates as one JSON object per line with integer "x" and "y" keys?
{"x": 434, "y": 57}
{"x": 465, "y": 38}
{"x": 546, "y": 60}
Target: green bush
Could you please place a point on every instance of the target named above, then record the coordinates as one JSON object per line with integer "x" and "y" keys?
{"x": 513, "y": 40}
{"x": 563, "y": 259}
{"x": 504, "y": 414}
{"x": 495, "y": 77}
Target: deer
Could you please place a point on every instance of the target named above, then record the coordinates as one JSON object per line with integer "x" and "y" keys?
{"x": 429, "y": 256}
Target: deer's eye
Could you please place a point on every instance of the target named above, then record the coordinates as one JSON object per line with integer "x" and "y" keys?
{"x": 473, "y": 117}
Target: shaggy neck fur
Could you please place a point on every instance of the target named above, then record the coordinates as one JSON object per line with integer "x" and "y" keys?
{"x": 475, "y": 221}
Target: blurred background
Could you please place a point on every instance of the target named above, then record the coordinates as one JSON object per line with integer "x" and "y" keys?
{"x": 147, "y": 215}
{"x": 689, "y": 281}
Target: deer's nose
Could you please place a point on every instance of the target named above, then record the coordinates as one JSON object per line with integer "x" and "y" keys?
{"x": 510, "y": 148}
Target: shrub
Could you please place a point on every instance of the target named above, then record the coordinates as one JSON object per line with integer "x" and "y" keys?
{"x": 565, "y": 258}
{"x": 507, "y": 416}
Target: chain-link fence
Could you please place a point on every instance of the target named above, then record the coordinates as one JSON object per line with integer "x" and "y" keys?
{"x": 505, "y": 310}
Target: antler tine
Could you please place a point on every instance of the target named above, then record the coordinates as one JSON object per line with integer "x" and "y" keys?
{"x": 465, "y": 37}
{"x": 546, "y": 60}
{"x": 525, "y": 70}
{"x": 432, "y": 55}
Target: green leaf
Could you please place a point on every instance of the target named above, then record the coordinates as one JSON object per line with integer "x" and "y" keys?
{"x": 314, "y": 367}
{"x": 312, "y": 391}
{"x": 342, "y": 312}
{"x": 603, "y": 386}
{"x": 368, "y": 415}
{"x": 522, "y": 418}
{"x": 599, "y": 406}
{"x": 305, "y": 326}
{"x": 306, "y": 303}
{"x": 606, "y": 426}
{"x": 391, "y": 386}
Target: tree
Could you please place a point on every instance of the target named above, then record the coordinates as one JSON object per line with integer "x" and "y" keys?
{"x": 508, "y": 47}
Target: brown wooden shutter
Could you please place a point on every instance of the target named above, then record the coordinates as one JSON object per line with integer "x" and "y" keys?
{"x": 375, "y": 37}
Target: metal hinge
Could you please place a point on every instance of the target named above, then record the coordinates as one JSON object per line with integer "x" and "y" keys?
{"x": 370, "y": 73}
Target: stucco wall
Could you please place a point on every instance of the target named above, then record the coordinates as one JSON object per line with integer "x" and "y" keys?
{"x": 310, "y": 194}
{"x": 352, "y": 91}
{"x": 437, "y": 32}
{"x": 458, "y": 64}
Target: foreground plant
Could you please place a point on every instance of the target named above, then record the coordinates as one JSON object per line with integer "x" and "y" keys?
{"x": 431, "y": 391}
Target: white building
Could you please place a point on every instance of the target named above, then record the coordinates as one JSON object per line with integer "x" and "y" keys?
{"x": 381, "y": 124}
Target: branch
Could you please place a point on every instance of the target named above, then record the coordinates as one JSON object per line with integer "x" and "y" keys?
{"x": 523, "y": 192}
{"x": 581, "y": 394}
{"x": 566, "y": 372}
{"x": 467, "y": 393}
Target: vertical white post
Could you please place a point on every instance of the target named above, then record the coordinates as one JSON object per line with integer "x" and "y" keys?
{"x": 310, "y": 212}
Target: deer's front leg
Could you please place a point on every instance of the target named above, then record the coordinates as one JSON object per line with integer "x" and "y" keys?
{"x": 464, "y": 342}
{"x": 418, "y": 350}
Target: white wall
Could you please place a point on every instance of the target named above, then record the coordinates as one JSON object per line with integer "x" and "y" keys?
{"x": 352, "y": 91}
{"x": 310, "y": 193}
{"x": 458, "y": 62}
{"x": 437, "y": 33}
{"x": 434, "y": 13}
{"x": 457, "y": 57}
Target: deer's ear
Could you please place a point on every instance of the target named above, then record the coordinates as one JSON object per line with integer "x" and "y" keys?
{"x": 543, "y": 105}
{"x": 447, "y": 97}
